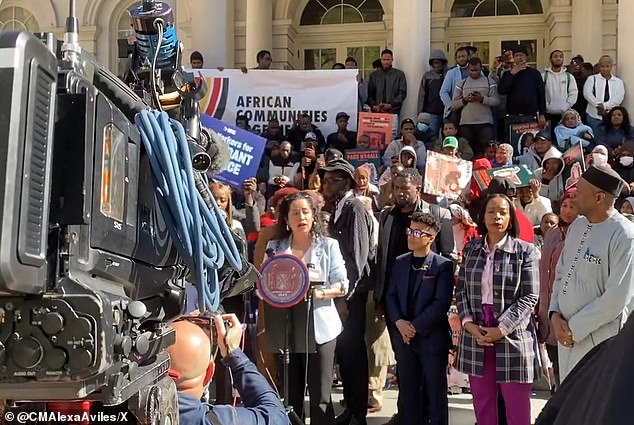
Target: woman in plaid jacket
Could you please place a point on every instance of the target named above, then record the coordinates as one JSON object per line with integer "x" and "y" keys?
{"x": 496, "y": 295}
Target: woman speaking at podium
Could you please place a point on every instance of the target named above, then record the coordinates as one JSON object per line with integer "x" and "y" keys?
{"x": 298, "y": 230}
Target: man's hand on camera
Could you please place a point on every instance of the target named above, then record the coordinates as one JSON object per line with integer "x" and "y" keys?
{"x": 229, "y": 333}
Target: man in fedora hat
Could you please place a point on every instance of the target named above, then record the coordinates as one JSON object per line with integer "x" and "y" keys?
{"x": 351, "y": 225}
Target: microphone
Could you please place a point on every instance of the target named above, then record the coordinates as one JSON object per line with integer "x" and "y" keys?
{"x": 217, "y": 150}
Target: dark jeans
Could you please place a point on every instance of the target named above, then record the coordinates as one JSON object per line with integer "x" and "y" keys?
{"x": 352, "y": 357}
{"x": 320, "y": 371}
{"x": 478, "y": 135}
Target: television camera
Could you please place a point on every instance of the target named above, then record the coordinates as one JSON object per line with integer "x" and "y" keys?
{"x": 95, "y": 251}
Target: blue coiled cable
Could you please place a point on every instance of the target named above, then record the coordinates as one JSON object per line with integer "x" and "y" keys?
{"x": 201, "y": 235}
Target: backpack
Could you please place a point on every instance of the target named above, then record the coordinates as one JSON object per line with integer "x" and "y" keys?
{"x": 545, "y": 78}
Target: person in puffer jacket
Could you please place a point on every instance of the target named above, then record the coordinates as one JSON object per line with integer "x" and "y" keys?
{"x": 572, "y": 131}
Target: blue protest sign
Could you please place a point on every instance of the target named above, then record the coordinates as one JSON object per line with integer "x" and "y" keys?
{"x": 246, "y": 151}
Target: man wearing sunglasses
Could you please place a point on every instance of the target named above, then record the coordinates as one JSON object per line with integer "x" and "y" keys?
{"x": 417, "y": 302}
{"x": 192, "y": 368}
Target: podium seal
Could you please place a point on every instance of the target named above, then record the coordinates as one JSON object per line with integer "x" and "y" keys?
{"x": 284, "y": 281}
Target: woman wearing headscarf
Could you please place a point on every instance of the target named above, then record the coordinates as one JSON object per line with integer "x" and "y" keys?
{"x": 572, "y": 131}
{"x": 553, "y": 244}
{"x": 623, "y": 161}
{"x": 363, "y": 177}
{"x": 627, "y": 207}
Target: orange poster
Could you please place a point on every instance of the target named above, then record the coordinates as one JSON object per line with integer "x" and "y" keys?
{"x": 446, "y": 175}
{"x": 374, "y": 130}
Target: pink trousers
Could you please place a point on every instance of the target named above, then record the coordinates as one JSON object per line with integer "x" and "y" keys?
{"x": 517, "y": 396}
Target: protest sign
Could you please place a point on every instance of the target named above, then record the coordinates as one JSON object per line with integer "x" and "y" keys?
{"x": 262, "y": 95}
{"x": 369, "y": 157}
{"x": 359, "y": 156}
{"x": 575, "y": 165}
{"x": 446, "y": 175}
{"x": 245, "y": 147}
{"x": 522, "y": 134}
{"x": 520, "y": 175}
{"x": 375, "y": 130}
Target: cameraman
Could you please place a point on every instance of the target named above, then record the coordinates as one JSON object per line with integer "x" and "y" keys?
{"x": 192, "y": 368}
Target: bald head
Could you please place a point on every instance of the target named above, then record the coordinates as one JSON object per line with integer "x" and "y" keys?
{"x": 191, "y": 357}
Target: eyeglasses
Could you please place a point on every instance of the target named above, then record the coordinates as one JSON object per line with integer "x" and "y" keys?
{"x": 417, "y": 233}
{"x": 207, "y": 325}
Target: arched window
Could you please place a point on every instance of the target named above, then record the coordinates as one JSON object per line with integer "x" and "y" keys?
{"x": 323, "y": 12}
{"x": 477, "y": 8}
{"x": 14, "y": 18}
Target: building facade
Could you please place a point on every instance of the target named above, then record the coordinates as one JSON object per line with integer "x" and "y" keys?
{"x": 314, "y": 34}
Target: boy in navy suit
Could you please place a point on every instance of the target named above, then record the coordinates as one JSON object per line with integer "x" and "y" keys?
{"x": 417, "y": 303}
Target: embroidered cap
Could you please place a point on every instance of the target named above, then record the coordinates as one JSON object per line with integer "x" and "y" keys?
{"x": 604, "y": 178}
{"x": 450, "y": 142}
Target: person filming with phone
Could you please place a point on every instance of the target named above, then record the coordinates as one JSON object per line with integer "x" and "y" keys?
{"x": 524, "y": 89}
{"x": 475, "y": 97}
{"x": 192, "y": 367}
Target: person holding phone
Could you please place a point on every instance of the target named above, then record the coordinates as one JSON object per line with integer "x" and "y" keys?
{"x": 475, "y": 97}
{"x": 192, "y": 368}
{"x": 524, "y": 89}
{"x": 299, "y": 234}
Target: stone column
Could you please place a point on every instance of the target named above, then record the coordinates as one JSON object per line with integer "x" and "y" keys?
{"x": 259, "y": 29}
{"x": 587, "y": 29}
{"x": 212, "y": 32}
{"x": 412, "y": 41}
{"x": 625, "y": 61}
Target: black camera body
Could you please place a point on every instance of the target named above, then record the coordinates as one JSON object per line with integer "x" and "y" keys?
{"x": 89, "y": 276}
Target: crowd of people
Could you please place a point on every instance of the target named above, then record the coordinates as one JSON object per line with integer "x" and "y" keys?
{"x": 540, "y": 273}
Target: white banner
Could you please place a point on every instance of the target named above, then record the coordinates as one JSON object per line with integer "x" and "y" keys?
{"x": 262, "y": 95}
